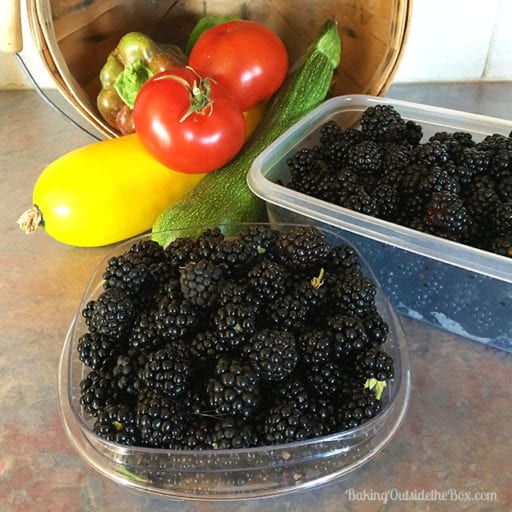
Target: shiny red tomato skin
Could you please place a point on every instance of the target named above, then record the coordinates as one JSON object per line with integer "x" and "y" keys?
{"x": 248, "y": 58}
{"x": 200, "y": 143}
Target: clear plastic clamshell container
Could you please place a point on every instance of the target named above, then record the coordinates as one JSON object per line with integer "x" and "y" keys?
{"x": 232, "y": 474}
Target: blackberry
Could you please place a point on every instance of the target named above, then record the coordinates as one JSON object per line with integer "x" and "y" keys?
{"x": 409, "y": 180}
{"x": 431, "y": 153}
{"x": 236, "y": 292}
{"x": 303, "y": 299}
{"x": 314, "y": 347}
{"x": 446, "y": 215}
{"x": 303, "y": 163}
{"x": 167, "y": 370}
{"x": 233, "y": 256}
{"x": 198, "y": 435}
{"x": 97, "y": 351}
{"x": 323, "y": 183}
{"x": 341, "y": 258}
{"x": 176, "y": 319}
{"x": 310, "y": 292}
{"x": 125, "y": 374}
{"x": 117, "y": 423}
{"x": 161, "y": 420}
{"x": 374, "y": 364}
{"x": 234, "y": 323}
{"x": 503, "y": 219}
{"x": 286, "y": 423}
{"x": 393, "y": 178}
{"x": 97, "y": 390}
{"x": 324, "y": 378}
{"x": 144, "y": 334}
{"x": 360, "y": 407}
{"x": 206, "y": 244}
{"x": 111, "y": 314}
{"x": 291, "y": 390}
{"x": 374, "y": 367}
{"x": 336, "y": 153}
{"x": 411, "y": 211}
{"x": 272, "y": 353}
{"x": 330, "y": 132}
{"x": 455, "y": 142}
{"x": 413, "y": 133}
{"x": 358, "y": 199}
{"x": 196, "y": 400}
{"x": 375, "y": 327}
{"x": 152, "y": 255}
{"x": 287, "y": 312}
{"x": 267, "y": 279}
{"x": 347, "y": 335}
{"x": 325, "y": 411}
{"x": 476, "y": 160}
{"x": 178, "y": 253}
{"x": 127, "y": 275}
{"x": 171, "y": 290}
{"x": 437, "y": 179}
{"x": 504, "y": 189}
{"x": 302, "y": 248}
{"x": 365, "y": 157}
{"x": 387, "y": 201}
{"x": 146, "y": 251}
{"x": 353, "y": 293}
{"x": 396, "y": 157}
{"x": 494, "y": 141}
{"x": 501, "y": 163}
{"x": 206, "y": 346}
{"x": 233, "y": 390}
{"x": 260, "y": 239}
{"x": 382, "y": 123}
{"x": 465, "y": 175}
{"x": 232, "y": 433}
{"x": 199, "y": 282}
{"x": 138, "y": 269}
{"x": 482, "y": 204}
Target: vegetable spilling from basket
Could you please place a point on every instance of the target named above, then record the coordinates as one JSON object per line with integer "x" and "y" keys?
{"x": 196, "y": 123}
{"x": 133, "y": 61}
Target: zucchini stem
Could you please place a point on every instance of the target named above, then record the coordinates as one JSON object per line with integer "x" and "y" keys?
{"x": 30, "y": 220}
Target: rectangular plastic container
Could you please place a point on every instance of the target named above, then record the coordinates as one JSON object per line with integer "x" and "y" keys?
{"x": 453, "y": 286}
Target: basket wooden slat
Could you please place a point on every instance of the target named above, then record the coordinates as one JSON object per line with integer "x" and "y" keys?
{"x": 77, "y": 36}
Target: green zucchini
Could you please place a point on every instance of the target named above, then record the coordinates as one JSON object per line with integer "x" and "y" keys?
{"x": 223, "y": 197}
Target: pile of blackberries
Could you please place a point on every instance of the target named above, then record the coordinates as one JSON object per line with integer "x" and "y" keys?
{"x": 231, "y": 342}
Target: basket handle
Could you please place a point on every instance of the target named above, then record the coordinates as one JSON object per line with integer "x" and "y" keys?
{"x": 11, "y": 40}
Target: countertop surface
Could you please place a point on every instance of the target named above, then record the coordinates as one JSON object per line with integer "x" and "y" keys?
{"x": 453, "y": 451}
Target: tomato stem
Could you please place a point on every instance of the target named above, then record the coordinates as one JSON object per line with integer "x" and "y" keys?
{"x": 200, "y": 91}
{"x": 199, "y": 98}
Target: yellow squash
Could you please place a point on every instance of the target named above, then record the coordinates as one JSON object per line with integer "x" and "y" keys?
{"x": 108, "y": 191}
{"x": 103, "y": 193}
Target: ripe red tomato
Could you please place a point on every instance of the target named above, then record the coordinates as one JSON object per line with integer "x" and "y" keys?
{"x": 249, "y": 59}
{"x": 190, "y": 142}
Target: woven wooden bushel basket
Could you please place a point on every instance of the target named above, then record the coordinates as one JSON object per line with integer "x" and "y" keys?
{"x": 75, "y": 37}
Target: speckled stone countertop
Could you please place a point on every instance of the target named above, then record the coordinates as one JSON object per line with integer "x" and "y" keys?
{"x": 453, "y": 452}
